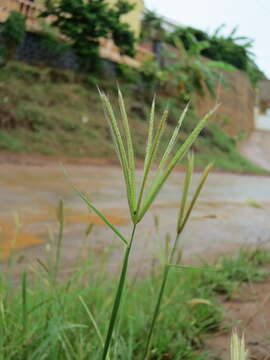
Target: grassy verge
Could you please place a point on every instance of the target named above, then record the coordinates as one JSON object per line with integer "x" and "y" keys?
{"x": 51, "y": 112}
{"x": 41, "y": 318}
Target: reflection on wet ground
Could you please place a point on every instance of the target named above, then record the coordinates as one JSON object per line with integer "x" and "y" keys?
{"x": 222, "y": 220}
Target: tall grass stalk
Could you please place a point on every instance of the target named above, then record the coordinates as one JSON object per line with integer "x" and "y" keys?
{"x": 60, "y": 218}
{"x": 148, "y": 190}
{"x": 184, "y": 213}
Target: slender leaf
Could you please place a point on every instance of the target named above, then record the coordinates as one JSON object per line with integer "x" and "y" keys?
{"x": 98, "y": 212}
{"x": 187, "y": 267}
{"x": 92, "y": 319}
{"x": 101, "y": 215}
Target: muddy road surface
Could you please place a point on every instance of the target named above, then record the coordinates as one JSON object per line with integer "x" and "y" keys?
{"x": 233, "y": 210}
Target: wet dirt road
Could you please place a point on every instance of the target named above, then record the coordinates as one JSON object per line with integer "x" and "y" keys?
{"x": 224, "y": 218}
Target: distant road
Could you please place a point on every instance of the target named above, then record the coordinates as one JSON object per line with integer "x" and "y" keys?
{"x": 257, "y": 148}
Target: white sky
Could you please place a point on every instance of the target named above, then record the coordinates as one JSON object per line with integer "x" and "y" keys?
{"x": 251, "y": 16}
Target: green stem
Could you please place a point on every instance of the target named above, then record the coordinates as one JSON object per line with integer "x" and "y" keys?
{"x": 160, "y": 298}
{"x": 156, "y": 312}
{"x": 118, "y": 297}
{"x": 58, "y": 250}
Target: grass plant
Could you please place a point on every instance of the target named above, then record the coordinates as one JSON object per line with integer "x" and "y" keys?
{"x": 184, "y": 213}
{"x": 139, "y": 205}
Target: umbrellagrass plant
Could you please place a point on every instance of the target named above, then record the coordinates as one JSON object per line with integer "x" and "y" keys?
{"x": 170, "y": 261}
{"x": 140, "y": 201}
{"x": 238, "y": 349}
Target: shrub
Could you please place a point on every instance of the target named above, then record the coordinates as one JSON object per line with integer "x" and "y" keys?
{"x": 13, "y": 33}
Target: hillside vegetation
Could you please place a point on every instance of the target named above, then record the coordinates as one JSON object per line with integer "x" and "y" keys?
{"x": 51, "y": 112}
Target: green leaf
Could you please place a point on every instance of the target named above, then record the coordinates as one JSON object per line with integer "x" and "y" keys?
{"x": 187, "y": 267}
{"x": 98, "y": 212}
{"x": 101, "y": 215}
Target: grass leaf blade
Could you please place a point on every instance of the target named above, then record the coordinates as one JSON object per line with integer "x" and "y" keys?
{"x": 98, "y": 212}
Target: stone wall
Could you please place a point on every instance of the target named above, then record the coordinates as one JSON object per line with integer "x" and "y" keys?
{"x": 34, "y": 51}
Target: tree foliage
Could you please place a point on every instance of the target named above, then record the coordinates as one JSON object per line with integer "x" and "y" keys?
{"x": 185, "y": 73}
{"x": 84, "y": 23}
{"x": 189, "y": 72}
{"x": 13, "y": 32}
{"x": 231, "y": 49}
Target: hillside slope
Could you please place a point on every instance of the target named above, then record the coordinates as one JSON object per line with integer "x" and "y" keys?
{"x": 51, "y": 112}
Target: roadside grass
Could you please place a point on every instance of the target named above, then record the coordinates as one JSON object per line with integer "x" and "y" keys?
{"x": 46, "y": 318}
{"x": 245, "y": 267}
{"x": 58, "y": 113}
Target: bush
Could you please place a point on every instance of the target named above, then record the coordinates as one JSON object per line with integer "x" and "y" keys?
{"x": 13, "y": 34}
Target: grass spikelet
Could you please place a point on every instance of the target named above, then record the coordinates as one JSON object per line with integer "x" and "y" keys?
{"x": 180, "y": 153}
{"x": 238, "y": 350}
{"x": 187, "y": 182}
{"x": 121, "y": 151}
{"x": 182, "y": 221}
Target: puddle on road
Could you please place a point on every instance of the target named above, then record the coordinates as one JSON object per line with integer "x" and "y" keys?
{"x": 96, "y": 220}
{"x": 11, "y": 240}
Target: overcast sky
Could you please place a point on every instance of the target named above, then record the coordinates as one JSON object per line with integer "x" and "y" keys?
{"x": 251, "y": 16}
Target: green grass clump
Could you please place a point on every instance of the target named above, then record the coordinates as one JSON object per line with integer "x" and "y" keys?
{"x": 246, "y": 266}
{"x": 41, "y": 318}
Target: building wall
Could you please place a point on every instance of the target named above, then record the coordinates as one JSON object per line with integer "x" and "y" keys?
{"x": 31, "y": 9}
{"x": 133, "y": 18}
{"x": 262, "y": 120}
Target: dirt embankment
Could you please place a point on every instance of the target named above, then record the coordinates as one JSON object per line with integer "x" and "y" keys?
{"x": 250, "y": 312}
